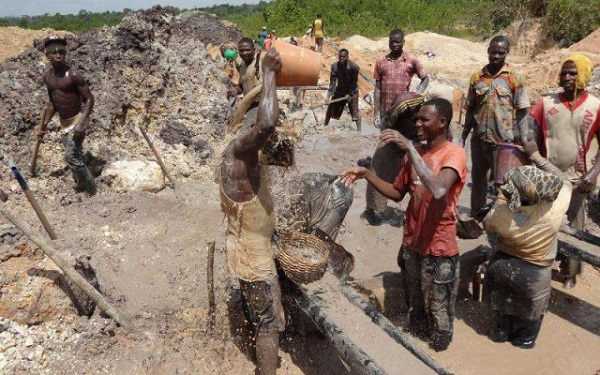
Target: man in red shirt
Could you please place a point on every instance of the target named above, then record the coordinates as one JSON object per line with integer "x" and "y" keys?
{"x": 393, "y": 73}
{"x": 434, "y": 175}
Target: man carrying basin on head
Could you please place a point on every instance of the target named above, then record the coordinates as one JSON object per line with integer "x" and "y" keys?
{"x": 246, "y": 199}
{"x": 71, "y": 97}
{"x": 434, "y": 175}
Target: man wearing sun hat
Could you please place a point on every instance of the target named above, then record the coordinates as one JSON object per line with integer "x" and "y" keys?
{"x": 71, "y": 97}
{"x": 564, "y": 126}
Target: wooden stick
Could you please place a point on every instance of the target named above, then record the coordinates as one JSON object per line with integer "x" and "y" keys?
{"x": 243, "y": 105}
{"x": 376, "y": 317}
{"x": 316, "y": 88}
{"x": 36, "y": 207}
{"x": 350, "y": 352}
{"x": 157, "y": 155}
{"x": 40, "y": 215}
{"x": 210, "y": 282}
{"x": 64, "y": 266}
{"x": 347, "y": 97}
{"x": 580, "y": 234}
{"x": 36, "y": 146}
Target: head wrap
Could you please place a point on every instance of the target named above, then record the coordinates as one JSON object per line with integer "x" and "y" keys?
{"x": 404, "y": 102}
{"x": 531, "y": 184}
{"x": 584, "y": 70}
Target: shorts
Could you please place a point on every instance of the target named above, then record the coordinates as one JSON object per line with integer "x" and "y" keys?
{"x": 335, "y": 110}
{"x": 319, "y": 41}
{"x": 263, "y": 300}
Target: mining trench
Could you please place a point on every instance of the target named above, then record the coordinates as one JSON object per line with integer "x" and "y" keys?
{"x": 147, "y": 250}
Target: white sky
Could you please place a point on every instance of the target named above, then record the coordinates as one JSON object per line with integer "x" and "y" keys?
{"x": 38, "y": 7}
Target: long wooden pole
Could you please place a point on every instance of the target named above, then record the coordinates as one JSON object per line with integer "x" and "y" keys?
{"x": 36, "y": 146}
{"x": 350, "y": 352}
{"x": 36, "y": 207}
{"x": 157, "y": 155}
{"x": 210, "y": 282}
{"x": 64, "y": 266}
{"x": 388, "y": 327}
{"x": 347, "y": 97}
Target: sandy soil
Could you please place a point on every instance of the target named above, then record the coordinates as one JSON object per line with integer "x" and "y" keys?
{"x": 15, "y": 40}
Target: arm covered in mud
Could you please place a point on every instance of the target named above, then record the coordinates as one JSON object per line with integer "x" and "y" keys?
{"x": 539, "y": 161}
{"x": 351, "y": 175}
{"x": 438, "y": 184}
{"x": 268, "y": 108}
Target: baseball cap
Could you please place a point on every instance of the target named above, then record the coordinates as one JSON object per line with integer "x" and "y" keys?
{"x": 264, "y": 27}
{"x": 54, "y": 39}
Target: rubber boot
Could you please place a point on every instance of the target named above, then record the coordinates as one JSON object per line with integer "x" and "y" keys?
{"x": 526, "y": 332}
{"x": 570, "y": 282}
{"x": 358, "y": 125}
{"x": 267, "y": 346}
{"x": 440, "y": 340}
{"x": 503, "y": 329}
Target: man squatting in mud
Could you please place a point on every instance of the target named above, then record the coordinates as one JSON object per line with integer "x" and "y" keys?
{"x": 246, "y": 200}
{"x": 68, "y": 90}
{"x": 433, "y": 174}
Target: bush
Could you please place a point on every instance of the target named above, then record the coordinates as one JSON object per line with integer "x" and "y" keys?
{"x": 569, "y": 21}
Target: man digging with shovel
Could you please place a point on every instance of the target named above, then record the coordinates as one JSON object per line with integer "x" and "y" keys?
{"x": 343, "y": 86}
{"x": 68, "y": 91}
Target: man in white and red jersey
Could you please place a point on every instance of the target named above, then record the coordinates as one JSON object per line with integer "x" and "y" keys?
{"x": 565, "y": 125}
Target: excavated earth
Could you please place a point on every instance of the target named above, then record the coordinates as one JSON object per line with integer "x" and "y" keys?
{"x": 147, "y": 252}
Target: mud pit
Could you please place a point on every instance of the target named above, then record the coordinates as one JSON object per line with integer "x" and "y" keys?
{"x": 149, "y": 253}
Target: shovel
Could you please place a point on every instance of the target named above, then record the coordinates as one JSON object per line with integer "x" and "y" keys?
{"x": 347, "y": 97}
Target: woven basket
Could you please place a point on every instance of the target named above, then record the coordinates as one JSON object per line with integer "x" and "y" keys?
{"x": 303, "y": 257}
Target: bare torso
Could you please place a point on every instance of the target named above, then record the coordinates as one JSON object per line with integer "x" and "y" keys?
{"x": 240, "y": 174}
{"x": 63, "y": 91}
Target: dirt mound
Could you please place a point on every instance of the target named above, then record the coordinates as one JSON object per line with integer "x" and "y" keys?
{"x": 362, "y": 43}
{"x": 527, "y": 37}
{"x": 589, "y": 44}
{"x": 14, "y": 40}
{"x": 152, "y": 69}
{"x": 542, "y": 72}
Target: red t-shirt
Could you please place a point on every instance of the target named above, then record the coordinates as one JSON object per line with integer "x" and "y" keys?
{"x": 430, "y": 224}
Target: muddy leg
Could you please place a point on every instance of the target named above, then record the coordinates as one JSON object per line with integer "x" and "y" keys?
{"x": 267, "y": 346}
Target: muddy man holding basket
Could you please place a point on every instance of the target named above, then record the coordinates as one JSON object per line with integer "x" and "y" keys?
{"x": 247, "y": 202}
{"x": 71, "y": 97}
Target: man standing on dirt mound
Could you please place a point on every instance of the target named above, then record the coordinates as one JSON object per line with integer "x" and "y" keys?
{"x": 393, "y": 73}
{"x": 496, "y": 106}
{"x": 246, "y": 200}
{"x": 343, "y": 83}
{"x": 564, "y": 125}
{"x": 68, "y": 90}
{"x": 433, "y": 174}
